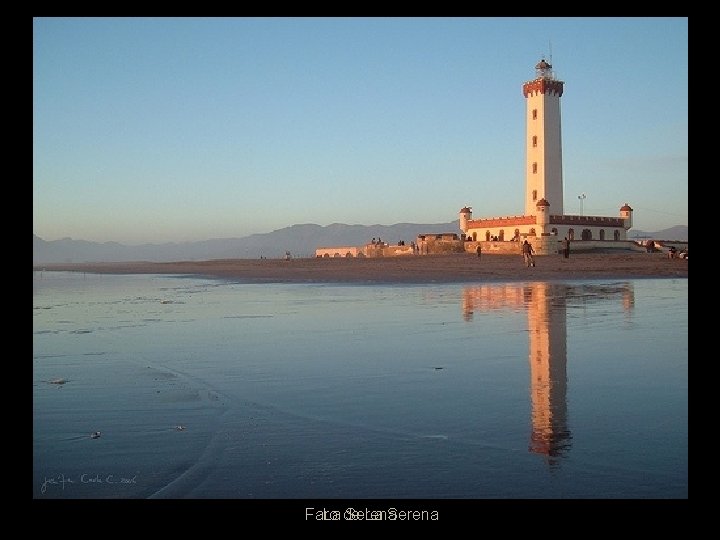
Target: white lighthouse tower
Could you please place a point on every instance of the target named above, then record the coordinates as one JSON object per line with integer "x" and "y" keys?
{"x": 544, "y": 178}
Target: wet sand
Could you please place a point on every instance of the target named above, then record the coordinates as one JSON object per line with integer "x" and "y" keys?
{"x": 315, "y": 393}
{"x": 407, "y": 269}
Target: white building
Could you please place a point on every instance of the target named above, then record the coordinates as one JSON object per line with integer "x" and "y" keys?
{"x": 544, "y": 221}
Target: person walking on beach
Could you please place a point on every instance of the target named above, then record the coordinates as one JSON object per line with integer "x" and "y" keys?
{"x": 528, "y": 251}
{"x": 478, "y": 251}
{"x": 566, "y": 248}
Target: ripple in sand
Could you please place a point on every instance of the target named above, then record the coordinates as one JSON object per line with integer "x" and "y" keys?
{"x": 435, "y": 437}
{"x": 248, "y": 316}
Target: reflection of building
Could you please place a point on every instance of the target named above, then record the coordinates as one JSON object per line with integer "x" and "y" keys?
{"x": 548, "y": 376}
{"x": 492, "y": 297}
{"x": 546, "y": 305}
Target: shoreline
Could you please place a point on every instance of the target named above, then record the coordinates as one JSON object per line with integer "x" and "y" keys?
{"x": 451, "y": 268}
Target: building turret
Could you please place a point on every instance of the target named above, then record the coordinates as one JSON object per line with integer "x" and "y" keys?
{"x": 626, "y": 215}
{"x": 542, "y": 219}
{"x": 465, "y": 217}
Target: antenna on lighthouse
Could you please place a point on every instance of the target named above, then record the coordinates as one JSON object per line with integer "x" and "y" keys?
{"x": 550, "y": 46}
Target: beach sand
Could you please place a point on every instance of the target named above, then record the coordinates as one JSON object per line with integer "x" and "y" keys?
{"x": 407, "y": 269}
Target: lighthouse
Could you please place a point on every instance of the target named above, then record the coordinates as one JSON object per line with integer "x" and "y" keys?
{"x": 543, "y": 222}
{"x": 544, "y": 179}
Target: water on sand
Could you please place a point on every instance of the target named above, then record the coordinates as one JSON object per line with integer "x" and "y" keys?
{"x": 204, "y": 388}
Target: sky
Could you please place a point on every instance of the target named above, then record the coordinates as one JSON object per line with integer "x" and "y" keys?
{"x": 182, "y": 129}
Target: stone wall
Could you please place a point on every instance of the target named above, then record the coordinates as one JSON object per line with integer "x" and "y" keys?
{"x": 547, "y": 245}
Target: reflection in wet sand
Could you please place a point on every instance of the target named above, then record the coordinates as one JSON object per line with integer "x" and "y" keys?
{"x": 360, "y": 391}
{"x": 550, "y": 434}
{"x": 546, "y": 305}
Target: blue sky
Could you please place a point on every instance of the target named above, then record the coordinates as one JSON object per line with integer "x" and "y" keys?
{"x": 164, "y": 129}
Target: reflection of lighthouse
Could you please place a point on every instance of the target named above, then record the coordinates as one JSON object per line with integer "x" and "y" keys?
{"x": 548, "y": 375}
{"x": 546, "y": 304}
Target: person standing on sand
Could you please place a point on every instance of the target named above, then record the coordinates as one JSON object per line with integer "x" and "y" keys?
{"x": 566, "y": 248}
{"x": 527, "y": 251}
{"x": 478, "y": 251}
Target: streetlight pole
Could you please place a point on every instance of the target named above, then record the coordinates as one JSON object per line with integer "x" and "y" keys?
{"x": 582, "y": 199}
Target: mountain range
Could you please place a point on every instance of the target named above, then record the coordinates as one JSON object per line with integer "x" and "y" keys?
{"x": 300, "y": 240}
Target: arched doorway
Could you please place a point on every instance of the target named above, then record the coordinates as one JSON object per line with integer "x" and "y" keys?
{"x": 616, "y": 234}
{"x": 602, "y": 234}
{"x": 502, "y": 234}
{"x": 571, "y": 234}
{"x": 487, "y": 236}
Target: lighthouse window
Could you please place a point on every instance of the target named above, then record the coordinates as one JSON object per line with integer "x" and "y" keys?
{"x": 534, "y": 194}
{"x": 534, "y": 114}
{"x": 534, "y": 168}
{"x": 534, "y": 141}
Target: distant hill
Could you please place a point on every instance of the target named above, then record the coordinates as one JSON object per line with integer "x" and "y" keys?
{"x": 678, "y": 233}
{"x": 299, "y": 240}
